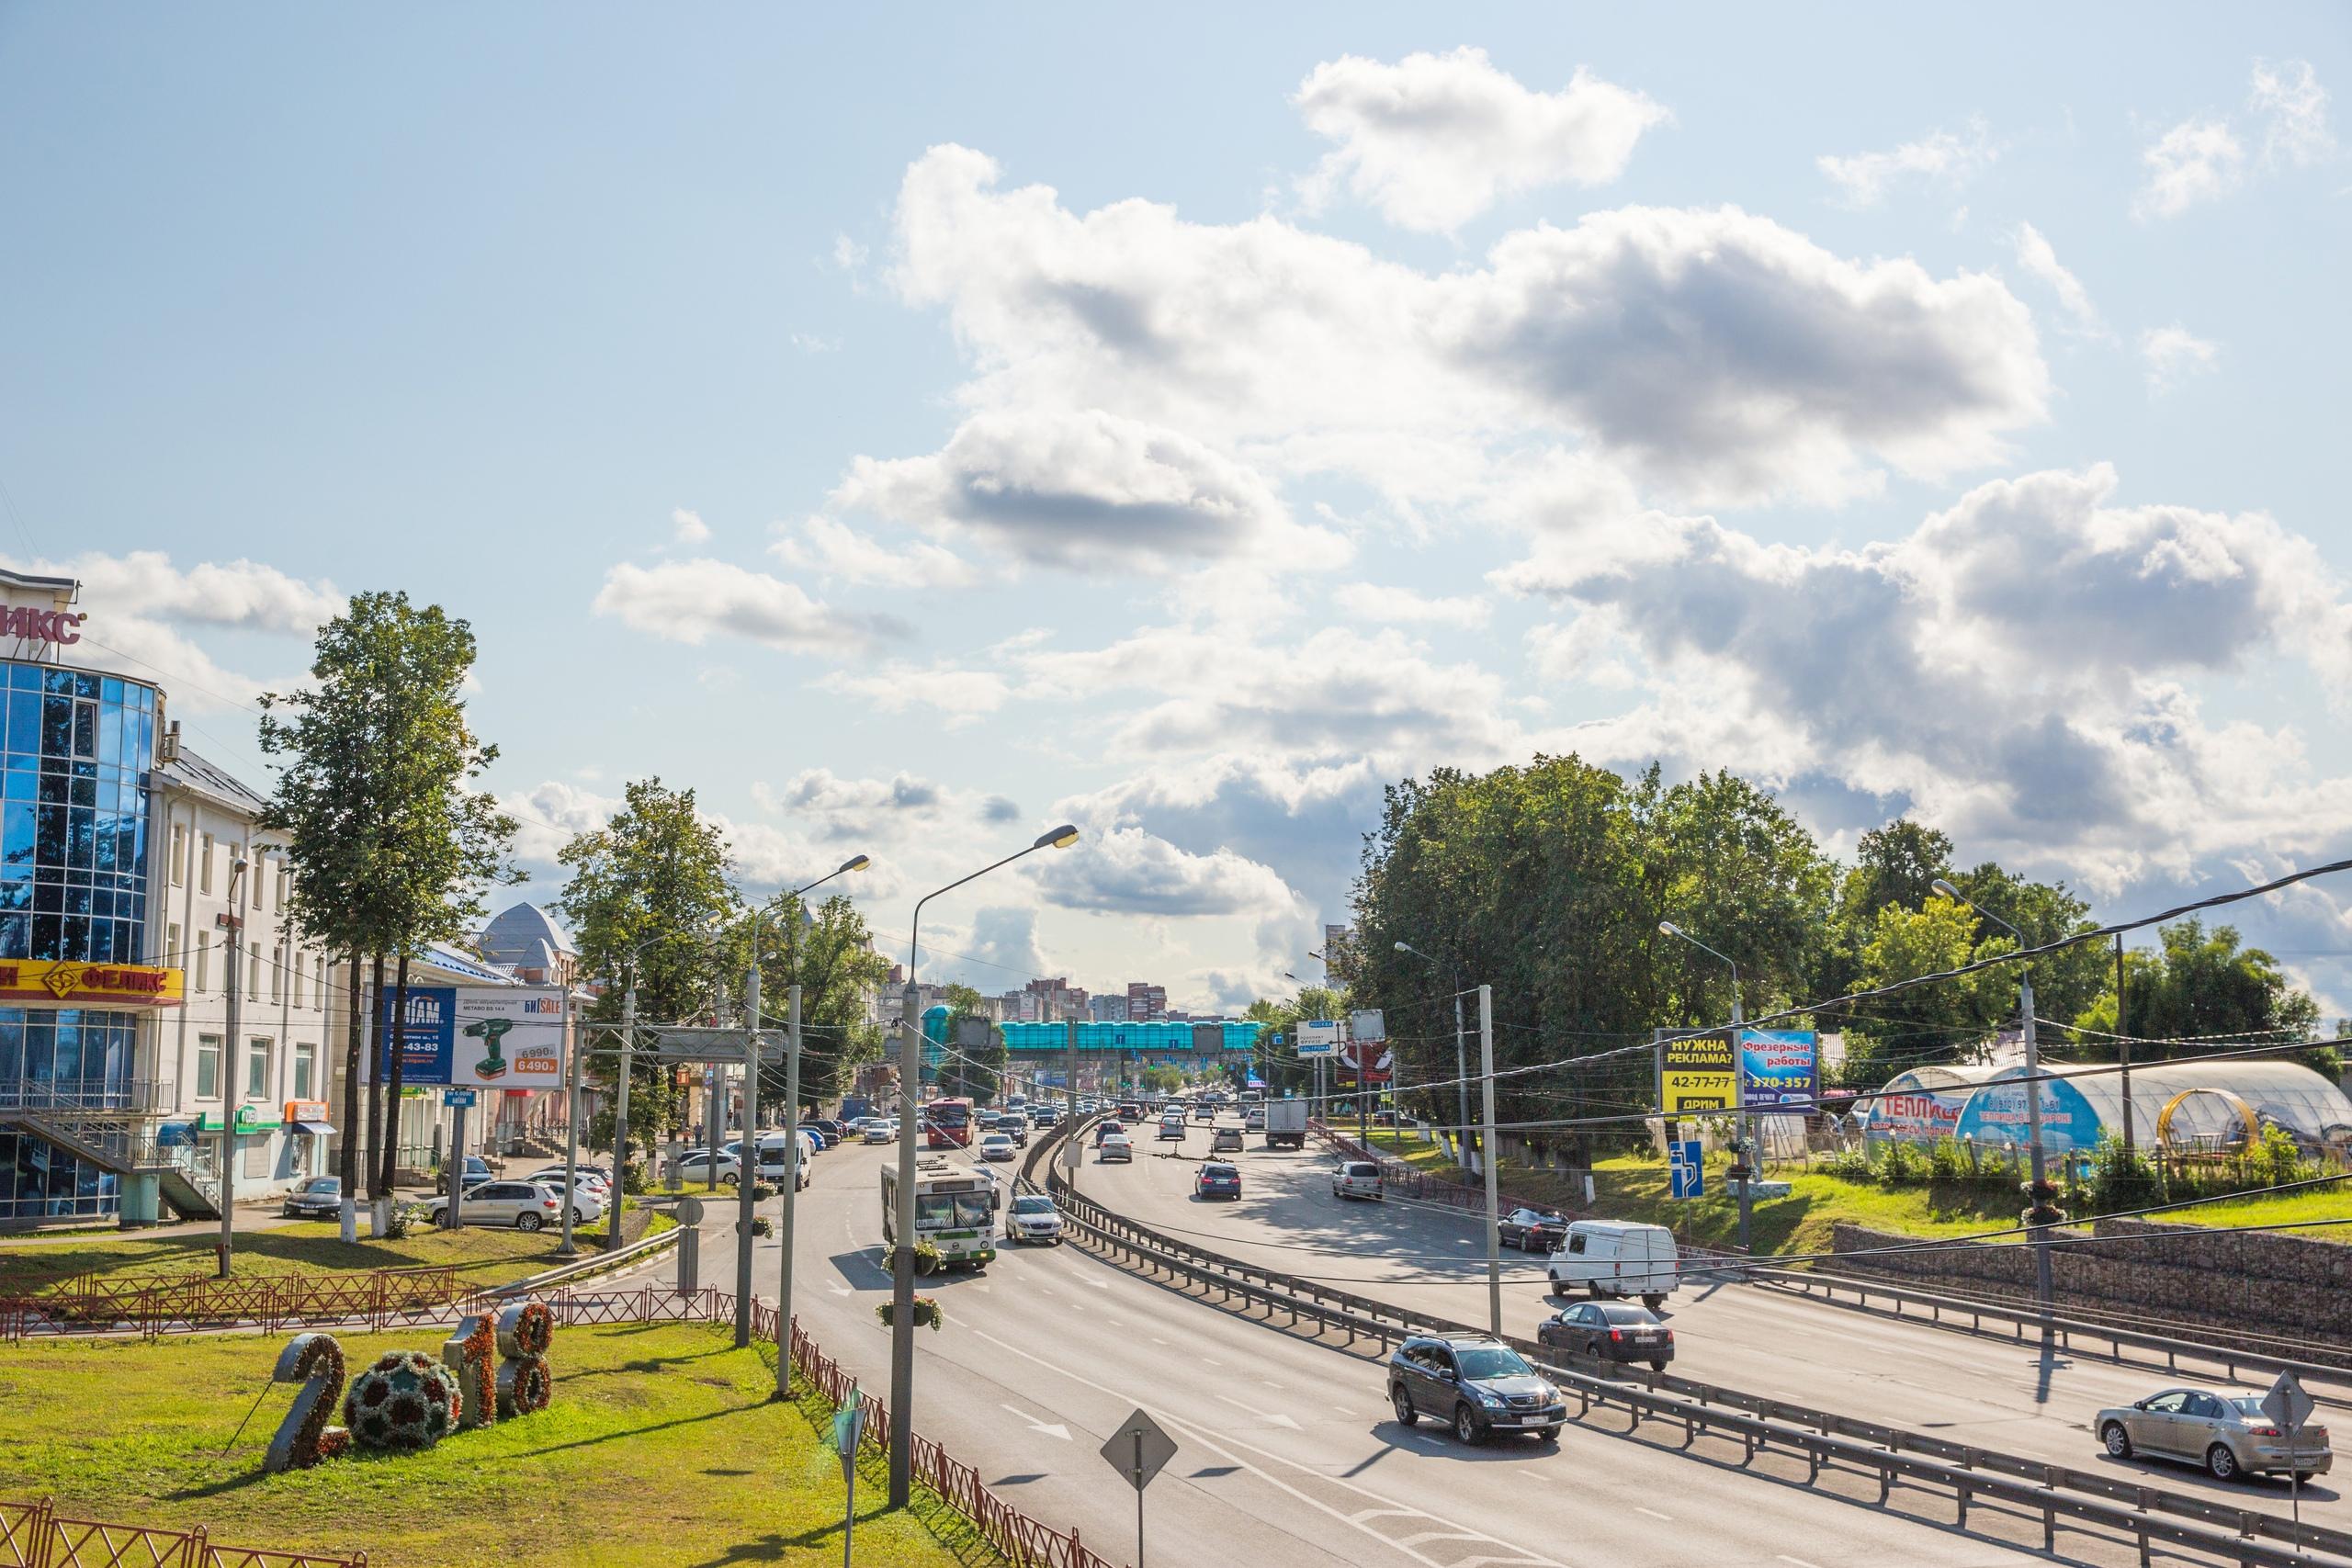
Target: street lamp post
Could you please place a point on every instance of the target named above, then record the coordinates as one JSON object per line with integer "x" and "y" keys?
{"x": 231, "y": 1095}
{"x": 903, "y": 1254}
{"x": 2039, "y": 1214}
{"x": 1461, "y": 1053}
{"x": 1744, "y": 1171}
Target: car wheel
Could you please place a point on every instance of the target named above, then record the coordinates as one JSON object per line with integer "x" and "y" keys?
{"x": 2221, "y": 1463}
{"x": 528, "y": 1221}
{"x": 1548, "y": 1435}
{"x": 727, "y": 1181}
{"x": 2116, "y": 1441}
{"x": 1465, "y": 1425}
{"x": 1592, "y": 1348}
{"x": 1653, "y": 1302}
{"x": 1406, "y": 1414}
{"x": 1659, "y": 1367}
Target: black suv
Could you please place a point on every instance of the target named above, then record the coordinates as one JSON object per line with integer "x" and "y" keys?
{"x": 1475, "y": 1384}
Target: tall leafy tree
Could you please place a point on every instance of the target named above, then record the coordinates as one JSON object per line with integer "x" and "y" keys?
{"x": 2200, "y": 985}
{"x": 828, "y": 953}
{"x": 652, "y": 903}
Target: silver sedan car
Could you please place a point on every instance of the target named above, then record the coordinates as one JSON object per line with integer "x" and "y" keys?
{"x": 2222, "y": 1429}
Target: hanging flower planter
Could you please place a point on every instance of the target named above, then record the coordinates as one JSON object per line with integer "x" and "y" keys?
{"x": 926, "y": 1311}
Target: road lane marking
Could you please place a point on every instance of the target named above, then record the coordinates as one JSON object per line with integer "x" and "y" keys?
{"x": 1224, "y": 1445}
{"x": 1051, "y": 1429}
{"x": 1800, "y": 1561}
{"x": 1654, "y": 1514}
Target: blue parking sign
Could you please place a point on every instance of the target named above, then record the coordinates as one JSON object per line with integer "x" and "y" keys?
{"x": 1686, "y": 1164}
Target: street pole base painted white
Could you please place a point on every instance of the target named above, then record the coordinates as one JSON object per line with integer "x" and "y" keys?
{"x": 350, "y": 1219}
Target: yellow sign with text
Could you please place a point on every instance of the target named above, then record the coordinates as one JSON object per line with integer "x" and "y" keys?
{"x": 72, "y": 985}
{"x": 1697, "y": 1075}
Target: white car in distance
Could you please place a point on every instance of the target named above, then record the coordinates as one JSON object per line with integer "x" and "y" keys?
{"x": 996, "y": 1146}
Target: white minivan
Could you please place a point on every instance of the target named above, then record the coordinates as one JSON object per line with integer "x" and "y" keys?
{"x": 771, "y": 1151}
{"x": 1614, "y": 1258}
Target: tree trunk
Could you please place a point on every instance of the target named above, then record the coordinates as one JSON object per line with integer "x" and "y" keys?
{"x": 375, "y": 1187}
{"x": 392, "y": 1088}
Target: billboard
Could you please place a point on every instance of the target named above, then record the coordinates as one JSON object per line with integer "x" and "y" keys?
{"x": 508, "y": 1037}
{"x": 1208, "y": 1037}
{"x": 1696, "y": 1073}
{"x": 1367, "y": 1023}
{"x": 1369, "y": 1060}
{"x": 1781, "y": 1066}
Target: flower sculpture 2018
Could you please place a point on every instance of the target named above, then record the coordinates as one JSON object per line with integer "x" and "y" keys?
{"x": 467, "y": 1355}
{"x": 401, "y": 1401}
{"x": 525, "y": 1383}
{"x": 303, "y": 1438}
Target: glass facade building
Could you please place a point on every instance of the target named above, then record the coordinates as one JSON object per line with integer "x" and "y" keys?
{"x": 77, "y": 747}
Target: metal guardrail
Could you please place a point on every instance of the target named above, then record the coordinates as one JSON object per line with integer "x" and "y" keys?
{"x": 1760, "y": 1422}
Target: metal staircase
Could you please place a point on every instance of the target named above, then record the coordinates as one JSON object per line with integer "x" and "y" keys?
{"x": 126, "y": 1143}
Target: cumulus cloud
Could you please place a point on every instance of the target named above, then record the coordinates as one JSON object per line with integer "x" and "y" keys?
{"x": 686, "y": 600}
{"x": 1711, "y": 351}
{"x": 2037, "y": 255}
{"x": 2204, "y": 156}
{"x": 2195, "y": 161}
{"x": 832, "y": 548}
{"x": 2292, "y": 107}
{"x": 1434, "y": 140}
{"x": 2173, "y": 354}
{"x": 1942, "y": 158}
{"x": 688, "y": 528}
{"x": 1128, "y": 871}
{"x": 1384, "y": 602}
{"x": 1089, "y": 488}
{"x": 962, "y": 696}
{"x": 999, "y": 950}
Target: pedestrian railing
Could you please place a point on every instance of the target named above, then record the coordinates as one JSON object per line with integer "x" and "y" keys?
{"x": 35, "y": 1535}
{"x": 102, "y": 1303}
{"x": 2146, "y": 1514}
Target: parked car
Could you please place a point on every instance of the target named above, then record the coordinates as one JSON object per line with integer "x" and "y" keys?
{"x": 1115, "y": 1145}
{"x": 1218, "y": 1179}
{"x": 696, "y": 1166}
{"x": 2224, "y": 1429}
{"x": 1617, "y": 1257}
{"x": 1475, "y": 1384}
{"x": 1532, "y": 1230}
{"x": 525, "y": 1206}
{"x": 1356, "y": 1179}
{"x": 584, "y": 1180}
{"x": 1173, "y": 1127}
{"x": 1609, "y": 1331}
{"x": 1033, "y": 1218}
{"x": 995, "y": 1146}
{"x": 321, "y": 1198}
{"x": 1226, "y": 1140}
{"x": 838, "y": 1132}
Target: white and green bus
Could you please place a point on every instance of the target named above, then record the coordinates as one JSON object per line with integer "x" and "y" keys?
{"x": 955, "y": 1211}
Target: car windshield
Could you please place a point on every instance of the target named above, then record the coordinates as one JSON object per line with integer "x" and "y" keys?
{"x": 323, "y": 1184}
{"x": 1218, "y": 1172}
{"x": 973, "y": 1209}
{"x": 934, "y": 1209}
{"x": 1495, "y": 1362}
{"x": 2249, "y": 1404}
{"x": 1626, "y": 1314}
{"x": 1033, "y": 1205}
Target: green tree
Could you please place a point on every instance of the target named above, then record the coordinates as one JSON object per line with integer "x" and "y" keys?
{"x": 650, "y": 901}
{"x": 2200, "y": 986}
{"x": 829, "y": 956}
{"x": 1894, "y": 865}
{"x": 1941, "y": 1022}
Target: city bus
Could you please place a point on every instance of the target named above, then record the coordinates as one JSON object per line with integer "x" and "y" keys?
{"x": 955, "y": 1211}
{"x": 947, "y": 1123}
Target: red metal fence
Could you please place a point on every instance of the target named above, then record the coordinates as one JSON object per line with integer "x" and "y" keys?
{"x": 100, "y": 1304}
{"x": 35, "y": 1535}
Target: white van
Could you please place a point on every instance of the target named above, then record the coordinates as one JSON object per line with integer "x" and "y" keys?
{"x": 772, "y": 1150}
{"x": 1613, "y": 1257}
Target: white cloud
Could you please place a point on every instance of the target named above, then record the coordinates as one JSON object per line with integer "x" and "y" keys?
{"x": 1088, "y": 489}
{"x": 686, "y": 600}
{"x": 1124, "y": 870}
{"x": 2038, "y": 257}
{"x": 2173, "y": 354}
{"x": 832, "y": 548}
{"x": 1384, "y": 601}
{"x": 848, "y": 254}
{"x": 963, "y": 696}
{"x": 1712, "y": 352}
{"x": 2195, "y": 161}
{"x": 1434, "y": 140}
{"x": 1940, "y": 158}
{"x": 2293, "y": 107}
{"x": 688, "y": 528}
{"x": 548, "y": 816}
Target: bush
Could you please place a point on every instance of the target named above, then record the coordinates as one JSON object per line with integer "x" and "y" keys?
{"x": 403, "y": 1218}
{"x": 633, "y": 1179}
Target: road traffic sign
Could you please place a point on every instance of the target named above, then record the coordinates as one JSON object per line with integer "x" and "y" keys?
{"x": 688, "y": 1044}
{"x": 464, "y": 1097}
{"x": 2288, "y": 1404}
{"x": 1686, "y": 1164}
{"x": 1139, "y": 1449}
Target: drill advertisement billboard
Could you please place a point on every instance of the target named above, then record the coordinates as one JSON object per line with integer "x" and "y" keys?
{"x": 509, "y": 1037}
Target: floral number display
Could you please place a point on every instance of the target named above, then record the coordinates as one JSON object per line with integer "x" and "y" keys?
{"x": 467, "y": 1355}
{"x": 401, "y": 1401}
{"x": 525, "y": 1383}
{"x": 303, "y": 1438}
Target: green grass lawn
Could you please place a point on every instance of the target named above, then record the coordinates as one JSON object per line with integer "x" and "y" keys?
{"x": 1635, "y": 1188}
{"x": 485, "y": 1256}
{"x": 662, "y": 1448}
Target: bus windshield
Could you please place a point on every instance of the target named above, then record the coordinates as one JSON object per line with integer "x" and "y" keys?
{"x": 952, "y": 1211}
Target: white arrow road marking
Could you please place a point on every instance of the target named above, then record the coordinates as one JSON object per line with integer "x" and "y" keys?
{"x": 1653, "y": 1512}
{"x": 1225, "y": 1445}
{"x": 1274, "y": 1416}
{"x": 840, "y": 1290}
{"x": 1438, "y": 1535}
{"x": 1051, "y": 1429}
{"x": 1800, "y": 1561}
{"x": 1363, "y": 1514}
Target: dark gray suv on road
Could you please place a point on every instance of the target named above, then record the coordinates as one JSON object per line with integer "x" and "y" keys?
{"x": 1475, "y": 1384}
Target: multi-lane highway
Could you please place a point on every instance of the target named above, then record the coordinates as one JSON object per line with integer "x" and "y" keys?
{"x": 1991, "y": 1392}
{"x": 1289, "y": 1451}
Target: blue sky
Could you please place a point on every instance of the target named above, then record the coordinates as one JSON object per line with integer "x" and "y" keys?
{"x": 912, "y": 434}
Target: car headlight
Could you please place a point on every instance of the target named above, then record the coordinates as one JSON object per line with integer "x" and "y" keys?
{"x": 1488, "y": 1396}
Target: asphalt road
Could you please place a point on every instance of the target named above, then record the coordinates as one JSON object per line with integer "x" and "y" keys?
{"x": 1288, "y": 1451}
{"x": 1993, "y": 1393}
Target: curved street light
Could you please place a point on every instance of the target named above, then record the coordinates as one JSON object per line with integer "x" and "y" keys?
{"x": 902, "y": 1255}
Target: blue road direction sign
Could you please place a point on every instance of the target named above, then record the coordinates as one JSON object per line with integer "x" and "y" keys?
{"x": 1687, "y": 1166}
{"x": 456, "y": 1097}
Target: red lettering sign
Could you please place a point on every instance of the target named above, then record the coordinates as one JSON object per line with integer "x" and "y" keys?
{"x": 30, "y": 624}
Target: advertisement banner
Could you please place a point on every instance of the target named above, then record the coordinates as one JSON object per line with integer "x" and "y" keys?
{"x": 1782, "y": 1068}
{"x": 76, "y": 985}
{"x": 509, "y": 1037}
{"x": 1696, "y": 1074}
{"x": 1369, "y": 1060}
{"x": 1998, "y": 1114}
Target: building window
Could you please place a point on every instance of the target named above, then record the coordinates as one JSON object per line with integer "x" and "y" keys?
{"x": 203, "y": 959}
{"x": 285, "y": 885}
{"x": 180, "y": 854}
{"x": 204, "y": 863}
{"x": 277, "y": 973}
{"x": 171, "y": 947}
{"x": 259, "y": 874}
{"x": 257, "y": 1068}
{"x": 253, "y": 968}
{"x": 305, "y": 1060}
{"x": 319, "y": 973}
{"x": 208, "y": 1066}
{"x": 298, "y": 977}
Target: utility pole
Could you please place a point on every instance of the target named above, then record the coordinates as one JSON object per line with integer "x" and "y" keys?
{"x": 621, "y": 1114}
{"x": 1746, "y": 1122}
{"x": 2123, "y": 1054}
{"x": 233, "y": 1093}
{"x": 747, "y": 1166}
{"x": 902, "y": 1256}
{"x": 571, "y": 1127}
{"x": 2039, "y": 1214}
{"x": 1460, "y": 1063}
{"x": 791, "y": 1191}
{"x": 1069, "y": 1112}
{"x": 1487, "y": 1162}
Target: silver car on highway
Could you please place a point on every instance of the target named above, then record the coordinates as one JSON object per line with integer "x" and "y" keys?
{"x": 2224, "y": 1429}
